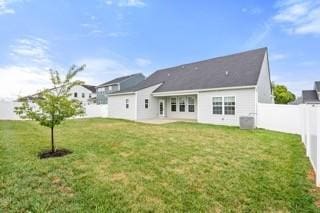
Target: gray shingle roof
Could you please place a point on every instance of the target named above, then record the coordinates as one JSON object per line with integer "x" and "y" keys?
{"x": 317, "y": 86}
{"x": 90, "y": 87}
{"x": 241, "y": 69}
{"x": 310, "y": 96}
{"x": 118, "y": 80}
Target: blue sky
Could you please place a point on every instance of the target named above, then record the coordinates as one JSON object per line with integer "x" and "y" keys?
{"x": 119, "y": 37}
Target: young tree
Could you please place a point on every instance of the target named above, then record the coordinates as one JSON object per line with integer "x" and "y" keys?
{"x": 52, "y": 106}
{"x": 282, "y": 95}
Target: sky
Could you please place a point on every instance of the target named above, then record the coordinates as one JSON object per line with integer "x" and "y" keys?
{"x": 121, "y": 37}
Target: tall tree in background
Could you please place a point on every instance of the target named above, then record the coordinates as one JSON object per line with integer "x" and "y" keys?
{"x": 281, "y": 94}
{"x": 52, "y": 106}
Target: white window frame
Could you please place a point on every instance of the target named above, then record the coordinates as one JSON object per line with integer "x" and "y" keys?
{"x": 127, "y": 103}
{"x": 109, "y": 88}
{"x": 146, "y": 103}
{"x": 83, "y": 95}
{"x": 213, "y": 105}
{"x": 171, "y": 103}
{"x": 194, "y": 103}
{"x": 223, "y": 105}
{"x": 229, "y": 96}
{"x": 185, "y": 103}
{"x": 75, "y": 95}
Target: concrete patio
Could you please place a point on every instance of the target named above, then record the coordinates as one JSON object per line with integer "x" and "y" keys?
{"x": 164, "y": 120}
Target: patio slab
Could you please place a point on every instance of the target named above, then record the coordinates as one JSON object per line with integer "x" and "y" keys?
{"x": 164, "y": 120}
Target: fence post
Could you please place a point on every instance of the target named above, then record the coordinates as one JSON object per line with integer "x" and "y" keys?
{"x": 307, "y": 132}
{"x": 318, "y": 147}
{"x": 303, "y": 124}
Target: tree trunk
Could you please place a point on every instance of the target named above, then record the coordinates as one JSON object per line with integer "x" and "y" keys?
{"x": 52, "y": 141}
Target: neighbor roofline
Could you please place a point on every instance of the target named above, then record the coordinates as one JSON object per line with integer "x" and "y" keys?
{"x": 183, "y": 92}
{"x": 126, "y": 79}
{"x": 118, "y": 82}
{"x": 105, "y": 85}
{"x": 122, "y": 93}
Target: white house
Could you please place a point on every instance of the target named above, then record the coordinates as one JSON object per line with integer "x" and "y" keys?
{"x": 86, "y": 94}
{"x": 115, "y": 85}
{"x": 216, "y": 91}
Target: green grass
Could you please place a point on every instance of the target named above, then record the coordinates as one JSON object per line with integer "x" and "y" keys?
{"x": 126, "y": 166}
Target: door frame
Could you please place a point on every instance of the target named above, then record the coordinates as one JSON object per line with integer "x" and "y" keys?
{"x": 163, "y": 108}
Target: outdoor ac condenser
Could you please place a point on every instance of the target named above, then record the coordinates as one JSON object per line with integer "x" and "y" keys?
{"x": 247, "y": 122}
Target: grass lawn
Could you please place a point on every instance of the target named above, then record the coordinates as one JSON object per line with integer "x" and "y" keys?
{"x": 127, "y": 166}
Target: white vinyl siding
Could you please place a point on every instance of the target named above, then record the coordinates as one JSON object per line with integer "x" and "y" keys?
{"x": 264, "y": 85}
{"x": 117, "y": 106}
{"x": 153, "y": 103}
{"x": 81, "y": 94}
{"x": 245, "y": 104}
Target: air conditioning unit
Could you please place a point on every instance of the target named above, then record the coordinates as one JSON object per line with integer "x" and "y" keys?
{"x": 247, "y": 122}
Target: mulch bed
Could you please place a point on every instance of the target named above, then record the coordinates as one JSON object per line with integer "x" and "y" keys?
{"x": 57, "y": 153}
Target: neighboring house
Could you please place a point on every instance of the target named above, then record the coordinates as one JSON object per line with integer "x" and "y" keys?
{"x": 84, "y": 93}
{"x": 312, "y": 96}
{"x": 216, "y": 91}
{"x": 118, "y": 84}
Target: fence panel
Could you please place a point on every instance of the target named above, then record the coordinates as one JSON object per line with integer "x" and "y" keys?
{"x": 277, "y": 117}
{"x": 95, "y": 110}
{"x": 7, "y": 110}
{"x": 312, "y": 135}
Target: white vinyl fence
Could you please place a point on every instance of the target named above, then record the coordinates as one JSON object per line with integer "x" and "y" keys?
{"x": 7, "y": 110}
{"x": 311, "y": 136}
{"x": 95, "y": 110}
{"x": 298, "y": 119}
{"x": 277, "y": 117}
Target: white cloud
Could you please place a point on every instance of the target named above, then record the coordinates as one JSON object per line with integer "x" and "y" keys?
{"x": 99, "y": 70}
{"x": 4, "y": 7}
{"x": 126, "y": 3}
{"x": 259, "y": 36}
{"x": 132, "y": 3}
{"x": 142, "y": 62}
{"x": 277, "y": 56}
{"x": 31, "y": 49}
{"x": 299, "y": 17}
{"x": 252, "y": 11}
{"x": 29, "y": 71}
{"x": 22, "y": 80}
{"x": 95, "y": 28}
{"x": 109, "y": 2}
